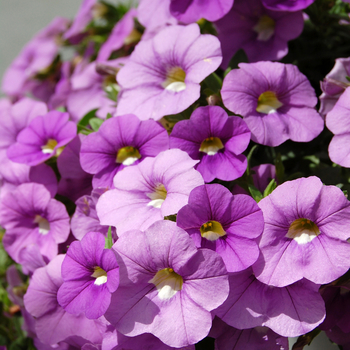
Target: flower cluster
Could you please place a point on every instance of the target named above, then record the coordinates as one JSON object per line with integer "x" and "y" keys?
{"x": 151, "y": 186}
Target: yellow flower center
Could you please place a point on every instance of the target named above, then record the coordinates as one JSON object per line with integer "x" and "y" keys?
{"x": 303, "y": 231}
{"x": 265, "y": 28}
{"x": 167, "y": 282}
{"x": 128, "y": 155}
{"x": 158, "y": 196}
{"x": 175, "y": 80}
{"x": 268, "y": 103}
{"x": 100, "y": 275}
{"x": 43, "y": 224}
{"x": 211, "y": 145}
{"x": 50, "y": 146}
{"x": 212, "y": 230}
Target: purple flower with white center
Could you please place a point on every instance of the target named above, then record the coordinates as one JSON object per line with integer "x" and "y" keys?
{"x": 275, "y": 100}
{"x": 43, "y": 138}
{"x": 122, "y": 34}
{"x": 228, "y": 224}
{"x": 120, "y": 142}
{"x": 334, "y": 84}
{"x": 167, "y": 286}
{"x": 289, "y": 311}
{"x": 90, "y": 274}
{"x": 215, "y": 139}
{"x": 287, "y": 5}
{"x": 193, "y": 10}
{"x": 30, "y": 216}
{"x": 85, "y": 217}
{"x": 74, "y": 182}
{"x": 163, "y": 74}
{"x": 149, "y": 191}
{"x": 262, "y": 34}
{"x": 35, "y": 57}
{"x": 305, "y": 234}
{"x": 337, "y": 121}
{"x": 53, "y": 324}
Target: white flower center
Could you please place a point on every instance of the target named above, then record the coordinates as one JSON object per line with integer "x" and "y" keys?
{"x": 303, "y": 231}
{"x": 43, "y": 224}
{"x": 49, "y": 147}
{"x": 268, "y": 103}
{"x": 157, "y": 197}
{"x": 100, "y": 276}
{"x": 168, "y": 283}
{"x": 212, "y": 230}
{"x": 175, "y": 80}
{"x": 211, "y": 145}
{"x": 265, "y": 28}
{"x": 128, "y": 155}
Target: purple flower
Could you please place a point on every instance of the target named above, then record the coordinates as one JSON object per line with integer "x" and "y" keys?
{"x": 275, "y": 100}
{"x": 74, "y": 182}
{"x": 337, "y": 121}
{"x": 147, "y": 192}
{"x": 42, "y": 139}
{"x": 120, "y": 142}
{"x": 193, "y": 10}
{"x": 262, "y": 175}
{"x": 163, "y": 74}
{"x": 334, "y": 84}
{"x": 215, "y": 139}
{"x": 31, "y": 216}
{"x": 35, "y": 57}
{"x": 262, "y": 34}
{"x": 228, "y": 224}
{"x": 306, "y": 228}
{"x": 90, "y": 274}
{"x": 289, "y": 311}
{"x": 287, "y": 5}
{"x": 53, "y": 324}
{"x": 168, "y": 287}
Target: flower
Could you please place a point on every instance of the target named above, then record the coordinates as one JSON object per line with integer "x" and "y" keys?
{"x": 228, "y": 224}
{"x": 305, "y": 233}
{"x": 90, "y": 274}
{"x": 149, "y": 191}
{"x": 275, "y": 100}
{"x": 215, "y": 139}
{"x": 163, "y": 74}
{"x": 287, "y": 5}
{"x": 167, "y": 286}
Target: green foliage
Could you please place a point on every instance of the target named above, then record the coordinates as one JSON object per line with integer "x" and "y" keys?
{"x": 109, "y": 239}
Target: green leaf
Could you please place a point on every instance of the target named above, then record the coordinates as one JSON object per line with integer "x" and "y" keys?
{"x": 84, "y": 122}
{"x": 279, "y": 168}
{"x": 109, "y": 239}
{"x": 239, "y": 57}
{"x": 256, "y": 194}
{"x": 305, "y": 339}
{"x": 109, "y": 116}
{"x": 249, "y": 157}
{"x": 95, "y": 123}
{"x": 213, "y": 83}
{"x": 170, "y": 217}
{"x": 270, "y": 187}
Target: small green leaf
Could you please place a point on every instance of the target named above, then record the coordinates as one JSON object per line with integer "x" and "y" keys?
{"x": 109, "y": 116}
{"x": 84, "y": 122}
{"x": 270, "y": 187}
{"x": 213, "y": 83}
{"x": 279, "y": 168}
{"x": 305, "y": 339}
{"x": 239, "y": 57}
{"x": 170, "y": 217}
{"x": 256, "y": 194}
{"x": 249, "y": 157}
{"x": 95, "y": 123}
{"x": 109, "y": 239}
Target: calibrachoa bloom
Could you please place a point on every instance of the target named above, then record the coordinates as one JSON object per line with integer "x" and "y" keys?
{"x": 275, "y": 100}
{"x": 306, "y": 228}
{"x": 43, "y": 138}
{"x": 167, "y": 286}
{"x": 120, "y": 142}
{"x": 228, "y": 224}
{"x": 149, "y": 191}
{"x": 163, "y": 74}
{"x": 90, "y": 274}
{"x": 263, "y": 34}
{"x": 31, "y": 216}
{"x": 337, "y": 121}
{"x": 215, "y": 139}
{"x": 287, "y": 5}
{"x": 53, "y": 324}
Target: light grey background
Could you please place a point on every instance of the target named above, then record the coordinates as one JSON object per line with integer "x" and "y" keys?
{"x": 21, "y": 19}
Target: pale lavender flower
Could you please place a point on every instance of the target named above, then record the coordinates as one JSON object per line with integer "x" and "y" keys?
{"x": 305, "y": 234}
{"x": 120, "y": 142}
{"x": 228, "y": 224}
{"x": 263, "y": 34}
{"x": 90, "y": 274}
{"x": 275, "y": 100}
{"x": 163, "y": 74}
{"x": 167, "y": 286}
{"x": 42, "y": 139}
{"x": 147, "y": 192}
{"x": 215, "y": 139}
